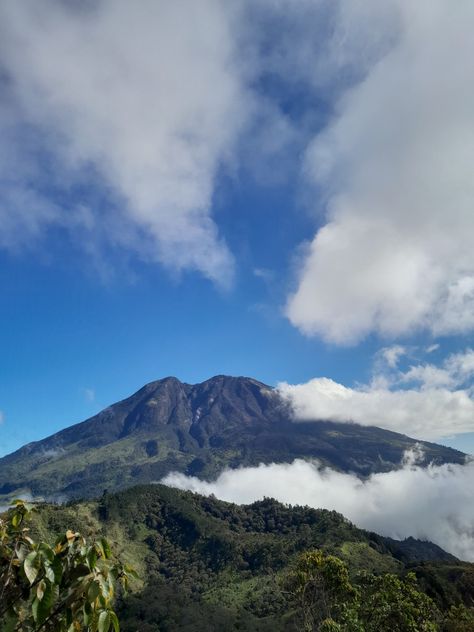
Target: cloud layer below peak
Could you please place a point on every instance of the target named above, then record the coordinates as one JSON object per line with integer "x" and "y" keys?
{"x": 434, "y": 503}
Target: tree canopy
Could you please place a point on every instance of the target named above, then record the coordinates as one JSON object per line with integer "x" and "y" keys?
{"x": 67, "y": 587}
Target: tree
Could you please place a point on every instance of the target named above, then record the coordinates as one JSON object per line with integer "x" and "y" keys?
{"x": 458, "y": 619}
{"x": 322, "y": 590}
{"x": 68, "y": 587}
{"x": 328, "y": 602}
{"x": 393, "y": 604}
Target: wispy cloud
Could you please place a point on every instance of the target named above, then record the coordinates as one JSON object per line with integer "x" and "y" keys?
{"x": 391, "y": 355}
{"x": 89, "y": 394}
{"x": 434, "y": 503}
{"x": 144, "y": 100}
{"x": 166, "y": 95}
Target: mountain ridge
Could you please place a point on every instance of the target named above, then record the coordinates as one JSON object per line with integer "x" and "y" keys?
{"x": 199, "y": 429}
{"x": 195, "y": 554}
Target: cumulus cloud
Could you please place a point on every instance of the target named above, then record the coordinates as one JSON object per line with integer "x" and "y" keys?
{"x": 142, "y": 99}
{"x": 394, "y": 165}
{"x": 425, "y": 401}
{"x": 428, "y": 413}
{"x": 434, "y": 503}
{"x": 455, "y": 370}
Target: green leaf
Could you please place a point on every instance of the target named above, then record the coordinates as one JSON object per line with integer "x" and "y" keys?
{"x": 40, "y": 588}
{"x": 87, "y": 613}
{"x": 92, "y": 557}
{"x": 35, "y": 609}
{"x": 21, "y": 551}
{"x": 57, "y": 569}
{"x": 104, "y": 621}
{"x": 131, "y": 571}
{"x": 31, "y": 566}
{"x": 93, "y": 591}
{"x": 115, "y": 621}
{"x": 46, "y": 551}
{"x": 41, "y": 607}
{"x": 48, "y": 569}
{"x": 106, "y": 548}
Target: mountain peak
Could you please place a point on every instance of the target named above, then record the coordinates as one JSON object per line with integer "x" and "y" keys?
{"x": 199, "y": 429}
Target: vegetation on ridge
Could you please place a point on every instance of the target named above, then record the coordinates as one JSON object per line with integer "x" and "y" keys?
{"x": 207, "y": 564}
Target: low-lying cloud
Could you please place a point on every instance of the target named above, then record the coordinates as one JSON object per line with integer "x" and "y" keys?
{"x": 434, "y": 503}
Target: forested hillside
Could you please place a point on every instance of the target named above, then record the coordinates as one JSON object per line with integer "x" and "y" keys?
{"x": 207, "y": 564}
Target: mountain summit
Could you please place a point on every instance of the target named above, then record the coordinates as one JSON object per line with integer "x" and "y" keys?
{"x": 199, "y": 429}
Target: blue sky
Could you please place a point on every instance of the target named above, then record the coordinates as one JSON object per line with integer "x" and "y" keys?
{"x": 267, "y": 190}
{"x": 74, "y": 342}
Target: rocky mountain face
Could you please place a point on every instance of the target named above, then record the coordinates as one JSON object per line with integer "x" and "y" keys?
{"x": 200, "y": 430}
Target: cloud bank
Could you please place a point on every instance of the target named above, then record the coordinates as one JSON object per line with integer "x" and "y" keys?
{"x": 143, "y": 100}
{"x": 425, "y": 401}
{"x": 434, "y": 503}
{"x": 429, "y": 413}
{"x": 394, "y": 166}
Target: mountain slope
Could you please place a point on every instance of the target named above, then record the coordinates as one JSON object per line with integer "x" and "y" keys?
{"x": 211, "y": 565}
{"x": 198, "y": 429}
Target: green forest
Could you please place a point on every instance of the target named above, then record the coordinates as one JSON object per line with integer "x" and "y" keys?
{"x": 203, "y": 564}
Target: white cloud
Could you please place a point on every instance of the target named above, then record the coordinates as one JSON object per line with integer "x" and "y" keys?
{"x": 395, "y": 255}
{"x": 434, "y": 503}
{"x": 428, "y": 375}
{"x": 151, "y": 99}
{"x": 425, "y": 401}
{"x": 456, "y": 370}
{"x": 265, "y": 274}
{"x": 89, "y": 394}
{"x": 392, "y": 354}
{"x": 424, "y": 413}
{"x": 145, "y": 98}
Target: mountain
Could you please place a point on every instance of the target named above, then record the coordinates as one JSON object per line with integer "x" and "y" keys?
{"x": 206, "y": 564}
{"x": 200, "y": 430}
